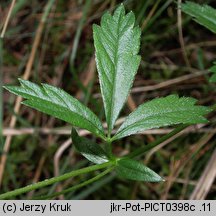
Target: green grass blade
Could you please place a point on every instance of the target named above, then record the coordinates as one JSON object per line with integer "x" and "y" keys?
{"x": 78, "y": 32}
{"x": 203, "y": 14}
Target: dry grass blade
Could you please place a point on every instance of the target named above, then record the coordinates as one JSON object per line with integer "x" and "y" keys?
{"x": 177, "y": 166}
{"x": 131, "y": 103}
{"x": 66, "y": 131}
{"x": 181, "y": 39}
{"x": 25, "y": 76}
{"x": 206, "y": 180}
{"x": 6, "y": 148}
{"x": 188, "y": 47}
{"x": 168, "y": 82}
{"x": 157, "y": 148}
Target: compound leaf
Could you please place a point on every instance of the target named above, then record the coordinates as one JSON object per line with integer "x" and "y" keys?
{"x": 58, "y": 103}
{"x": 134, "y": 170}
{"x": 203, "y": 14}
{"x": 117, "y": 42}
{"x": 90, "y": 150}
{"x": 161, "y": 112}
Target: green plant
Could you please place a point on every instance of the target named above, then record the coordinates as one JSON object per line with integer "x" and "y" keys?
{"x": 205, "y": 15}
{"x": 202, "y": 14}
{"x": 117, "y": 43}
{"x": 213, "y": 70}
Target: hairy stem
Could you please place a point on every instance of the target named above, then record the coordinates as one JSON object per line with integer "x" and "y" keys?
{"x": 102, "y": 174}
{"x": 55, "y": 179}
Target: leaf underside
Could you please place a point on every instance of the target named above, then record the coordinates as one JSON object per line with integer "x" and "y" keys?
{"x": 203, "y": 14}
{"x": 117, "y": 42}
{"x": 161, "y": 112}
{"x": 134, "y": 170}
{"x": 90, "y": 150}
{"x": 56, "y": 102}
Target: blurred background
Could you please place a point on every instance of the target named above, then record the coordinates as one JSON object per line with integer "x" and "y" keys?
{"x": 51, "y": 42}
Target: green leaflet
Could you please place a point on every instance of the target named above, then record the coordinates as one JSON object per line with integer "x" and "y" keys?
{"x": 134, "y": 170}
{"x": 161, "y": 112}
{"x": 203, "y": 14}
{"x": 117, "y": 42}
{"x": 90, "y": 150}
{"x": 58, "y": 103}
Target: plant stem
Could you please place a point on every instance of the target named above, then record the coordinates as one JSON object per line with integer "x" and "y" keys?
{"x": 77, "y": 186}
{"x": 142, "y": 150}
{"x": 55, "y": 179}
{"x": 109, "y": 149}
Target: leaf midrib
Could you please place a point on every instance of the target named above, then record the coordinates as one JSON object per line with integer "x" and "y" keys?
{"x": 114, "y": 81}
{"x": 48, "y": 99}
